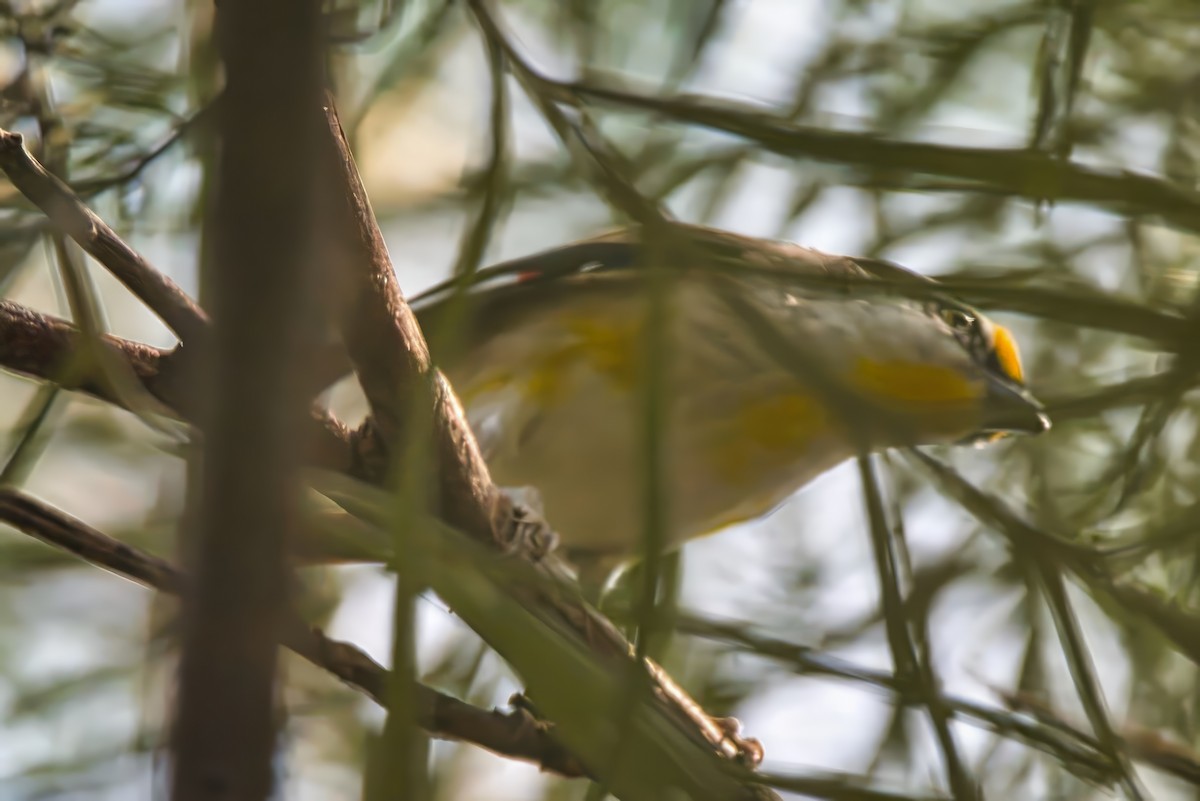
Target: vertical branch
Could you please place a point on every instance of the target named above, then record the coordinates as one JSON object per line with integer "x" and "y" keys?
{"x": 245, "y": 487}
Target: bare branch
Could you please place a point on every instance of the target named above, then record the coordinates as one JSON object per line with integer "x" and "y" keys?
{"x": 392, "y": 360}
{"x": 43, "y": 346}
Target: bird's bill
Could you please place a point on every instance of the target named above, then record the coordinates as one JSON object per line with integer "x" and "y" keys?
{"x": 1010, "y": 409}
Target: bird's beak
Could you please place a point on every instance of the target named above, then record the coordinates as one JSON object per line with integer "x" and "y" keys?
{"x": 1010, "y": 409}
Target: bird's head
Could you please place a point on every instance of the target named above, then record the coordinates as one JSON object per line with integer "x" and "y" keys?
{"x": 946, "y": 369}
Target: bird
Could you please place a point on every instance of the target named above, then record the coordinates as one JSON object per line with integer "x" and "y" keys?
{"x": 774, "y": 363}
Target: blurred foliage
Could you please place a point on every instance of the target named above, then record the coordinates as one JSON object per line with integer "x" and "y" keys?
{"x": 1041, "y": 156}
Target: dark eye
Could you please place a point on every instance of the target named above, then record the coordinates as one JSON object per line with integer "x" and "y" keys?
{"x": 958, "y": 319}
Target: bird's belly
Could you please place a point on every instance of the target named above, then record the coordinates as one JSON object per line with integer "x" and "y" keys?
{"x": 723, "y": 461}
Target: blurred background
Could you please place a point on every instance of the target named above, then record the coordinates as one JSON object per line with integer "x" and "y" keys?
{"x": 1072, "y": 112}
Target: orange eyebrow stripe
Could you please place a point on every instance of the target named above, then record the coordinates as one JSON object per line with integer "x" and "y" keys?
{"x": 1007, "y": 353}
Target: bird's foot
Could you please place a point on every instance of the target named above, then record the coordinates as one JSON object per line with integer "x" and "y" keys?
{"x": 529, "y": 534}
{"x": 750, "y": 750}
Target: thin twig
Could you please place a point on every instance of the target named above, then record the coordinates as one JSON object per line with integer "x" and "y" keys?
{"x": 907, "y": 663}
{"x": 1078, "y": 750}
{"x": 512, "y": 734}
{"x": 1083, "y": 671}
{"x": 134, "y": 169}
{"x": 1019, "y": 172}
{"x": 1086, "y": 562}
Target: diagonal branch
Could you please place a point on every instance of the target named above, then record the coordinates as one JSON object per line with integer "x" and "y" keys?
{"x": 1030, "y": 174}
{"x": 394, "y": 368}
{"x": 391, "y": 359}
{"x": 43, "y": 346}
{"x": 69, "y": 215}
{"x": 513, "y": 734}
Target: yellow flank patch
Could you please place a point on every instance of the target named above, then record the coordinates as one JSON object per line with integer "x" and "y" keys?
{"x": 608, "y": 347}
{"x": 1007, "y": 353}
{"x": 768, "y": 432}
{"x": 782, "y": 421}
{"x": 545, "y": 382}
{"x": 913, "y": 383}
{"x": 492, "y": 382}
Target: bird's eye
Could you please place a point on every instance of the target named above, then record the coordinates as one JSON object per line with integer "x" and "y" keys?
{"x": 958, "y": 319}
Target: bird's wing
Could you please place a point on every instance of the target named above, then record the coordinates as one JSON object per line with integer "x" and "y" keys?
{"x": 621, "y": 249}
{"x": 482, "y": 329}
{"x": 495, "y": 297}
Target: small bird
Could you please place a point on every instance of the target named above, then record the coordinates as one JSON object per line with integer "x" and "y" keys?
{"x": 777, "y": 362}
